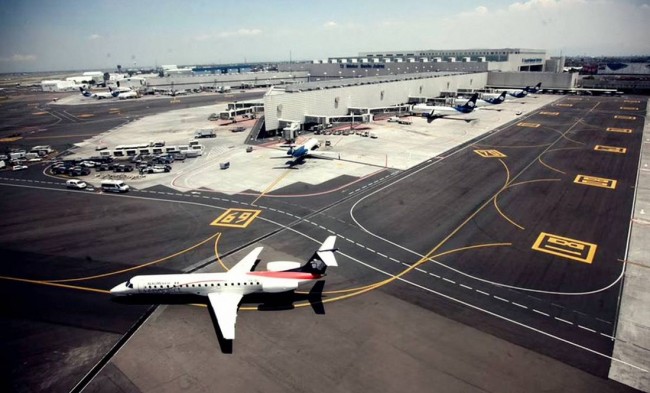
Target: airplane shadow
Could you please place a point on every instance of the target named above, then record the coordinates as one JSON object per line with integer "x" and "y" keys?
{"x": 264, "y": 301}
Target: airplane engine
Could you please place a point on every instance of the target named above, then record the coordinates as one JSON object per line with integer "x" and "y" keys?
{"x": 279, "y": 286}
{"x": 281, "y": 266}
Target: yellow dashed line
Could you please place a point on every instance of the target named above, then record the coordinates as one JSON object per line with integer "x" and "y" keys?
{"x": 138, "y": 266}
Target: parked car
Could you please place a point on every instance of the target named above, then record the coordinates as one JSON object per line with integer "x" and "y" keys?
{"x": 238, "y": 129}
{"x": 179, "y": 156}
{"x": 123, "y": 168}
{"x": 79, "y": 171}
{"x": 166, "y": 159}
{"x": 158, "y": 169}
{"x": 19, "y": 167}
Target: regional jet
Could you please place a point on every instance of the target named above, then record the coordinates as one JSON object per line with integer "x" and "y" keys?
{"x": 109, "y": 94}
{"x": 433, "y": 112}
{"x": 308, "y": 149}
{"x": 485, "y": 101}
{"x": 225, "y": 290}
{"x": 127, "y": 94}
{"x": 524, "y": 92}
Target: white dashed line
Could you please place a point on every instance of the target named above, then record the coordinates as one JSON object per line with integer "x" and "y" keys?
{"x": 420, "y": 270}
{"x": 448, "y": 280}
{"x": 382, "y": 255}
{"x": 542, "y": 313}
{"x": 481, "y": 292}
{"x": 563, "y": 320}
{"x": 608, "y": 336}
{"x": 466, "y": 287}
{"x": 520, "y": 305}
{"x": 587, "y": 329}
{"x": 502, "y": 299}
{"x": 434, "y": 275}
{"x": 393, "y": 259}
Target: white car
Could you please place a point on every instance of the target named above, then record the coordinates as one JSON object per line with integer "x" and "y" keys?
{"x": 158, "y": 169}
{"x": 19, "y": 167}
{"x": 76, "y": 184}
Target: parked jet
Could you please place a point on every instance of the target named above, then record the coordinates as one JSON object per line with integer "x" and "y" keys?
{"x": 128, "y": 94}
{"x": 485, "y": 101}
{"x": 535, "y": 88}
{"x": 524, "y": 92}
{"x": 225, "y": 290}
{"x": 99, "y": 96}
{"x": 433, "y": 112}
{"x": 298, "y": 154}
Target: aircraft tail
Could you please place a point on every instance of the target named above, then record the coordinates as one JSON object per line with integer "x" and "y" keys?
{"x": 502, "y": 97}
{"x": 471, "y": 103}
{"x": 322, "y": 258}
{"x": 534, "y": 89}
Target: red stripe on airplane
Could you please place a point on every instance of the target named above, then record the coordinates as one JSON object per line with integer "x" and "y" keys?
{"x": 292, "y": 275}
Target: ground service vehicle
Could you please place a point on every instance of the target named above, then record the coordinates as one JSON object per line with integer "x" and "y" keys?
{"x": 114, "y": 186}
{"x": 76, "y": 184}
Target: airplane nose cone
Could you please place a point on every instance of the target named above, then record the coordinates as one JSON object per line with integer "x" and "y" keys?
{"x": 119, "y": 290}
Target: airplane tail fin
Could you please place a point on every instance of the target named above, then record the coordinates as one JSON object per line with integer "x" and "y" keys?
{"x": 502, "y": 97}
{"x": 471, "y": 103}
{"x": 322, "y": 258}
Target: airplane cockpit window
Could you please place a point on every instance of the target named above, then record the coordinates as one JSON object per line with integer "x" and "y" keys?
{"x": 129, "y": 284}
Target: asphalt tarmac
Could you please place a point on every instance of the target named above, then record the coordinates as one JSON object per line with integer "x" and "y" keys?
{"x": 504, "y": 241}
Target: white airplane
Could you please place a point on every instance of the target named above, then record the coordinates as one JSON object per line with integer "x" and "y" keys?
{"x": 225, "y": 290}
{"x": 485, "y": 101}
{"x": 524, "y": 92}
{"x": 127, "y": 94}
{"x": 434, "y": 111}
{"x": 108, "y": 94}
{"x": 298, "y": 154}
{"x": 308, "y": 149}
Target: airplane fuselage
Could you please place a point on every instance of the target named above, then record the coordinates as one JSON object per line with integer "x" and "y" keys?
{"x": 204, "y": 283}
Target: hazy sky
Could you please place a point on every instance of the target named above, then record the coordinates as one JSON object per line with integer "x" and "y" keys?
{"x": 40, "y": 35}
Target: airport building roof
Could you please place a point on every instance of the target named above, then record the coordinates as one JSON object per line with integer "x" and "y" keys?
{"x": 336, "y": 83}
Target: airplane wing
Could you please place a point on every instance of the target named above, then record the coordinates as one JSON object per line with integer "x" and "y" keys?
{"x": 247, "y": 264}
{"x": 328, "y": 155}
{"x": 225, "y": 308}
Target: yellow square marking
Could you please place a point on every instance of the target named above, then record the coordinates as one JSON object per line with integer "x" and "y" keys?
{"x": 632, "y": 101}
{"x": 624, "y": 117}
{"x": 549, "y": 113}
{"x": 531, "y": 125}
{"x": 236, "y": 218}
{"x": 564, "y": 105}
{"x": 595, "y": 181}
{"x": 565, "y": 247}
{"x": 610, "y": 149}
{"x": 490, "y": 153}
{"x": 621, "y": 130}
{"x": 629, "y": 108}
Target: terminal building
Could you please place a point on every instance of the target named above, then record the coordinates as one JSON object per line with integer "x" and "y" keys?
{"x": 353, "y": 100}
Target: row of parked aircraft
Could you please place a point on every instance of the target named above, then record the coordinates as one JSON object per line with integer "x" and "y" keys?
{"x": 121, "y": 93}
{"x": 299, "y": 153}
{"x": 467, "y": 106}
